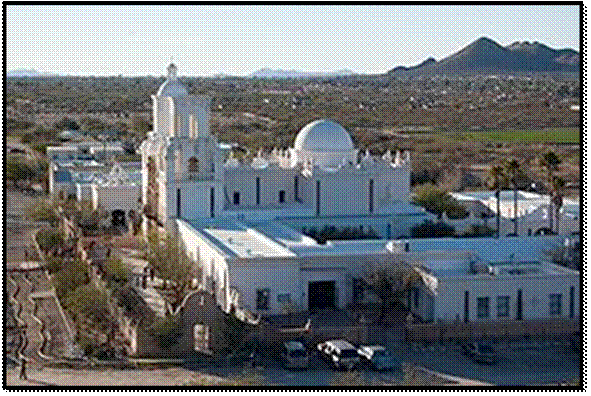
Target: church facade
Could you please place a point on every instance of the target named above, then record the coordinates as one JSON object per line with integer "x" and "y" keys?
{"x": 187, "y": 174}
{"x": 247, "y": 224}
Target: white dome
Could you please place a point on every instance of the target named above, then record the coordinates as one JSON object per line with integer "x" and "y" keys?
{"x": 172, "y": 86}
{"x": 323, "y": 135}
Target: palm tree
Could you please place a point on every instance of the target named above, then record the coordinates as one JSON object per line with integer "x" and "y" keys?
{"x": 557, "y": 186}
{"x": 550, "y": 162}
{"x": 498, "y": 173}
{"x": 512, "y": 169}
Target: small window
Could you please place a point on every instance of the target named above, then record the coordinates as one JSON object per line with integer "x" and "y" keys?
{"x": 503, "y": 306}
{"x": 555, "y": 304}
{"x": 482, "y": 308}
{"x": 263, "y": 299}
{"x": 281, "y": 196}
{"x": 193, "y": 164}
{"x": 284, "y": 298}
{"x": 236, "y": 198}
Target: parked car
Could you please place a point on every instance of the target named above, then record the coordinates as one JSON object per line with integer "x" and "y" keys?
{"x": 340, "y": 353}
{"x": 294, "y": 355}
{"x": 481, "y": 353}
{"x": 378, "y": 356}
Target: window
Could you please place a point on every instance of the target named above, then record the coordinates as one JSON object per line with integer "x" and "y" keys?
{"x": 284, "y": 298}
{"x": 201, "y": 337}
{"x": 281, "y": 196}
{"x": 482, "y": 307}
{"x": 236, "y": 198}
{"x": 555, "y": 304}
{"x": 263, "y": 299}
{"x": 193, "y": 164}
{"x": 503, "y": 306}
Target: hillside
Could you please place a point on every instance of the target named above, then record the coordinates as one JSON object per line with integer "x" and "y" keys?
{"x": 486, "y": 55}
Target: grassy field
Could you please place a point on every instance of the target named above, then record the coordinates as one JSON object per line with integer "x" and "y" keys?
{"x": 555, "y": 135}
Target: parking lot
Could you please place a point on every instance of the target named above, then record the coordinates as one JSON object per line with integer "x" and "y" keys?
{"x": 518, "y": 363}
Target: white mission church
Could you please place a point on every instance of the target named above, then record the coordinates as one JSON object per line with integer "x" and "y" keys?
{"x": 245, "y": 222}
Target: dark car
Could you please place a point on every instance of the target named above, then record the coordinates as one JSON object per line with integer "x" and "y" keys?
{"x": 378, "y": 357}
{"x": 480, "y": 353}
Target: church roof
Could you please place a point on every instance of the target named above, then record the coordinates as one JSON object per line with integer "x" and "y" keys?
{"x": 323, "y": 135}
{"x": 172, "y": 86}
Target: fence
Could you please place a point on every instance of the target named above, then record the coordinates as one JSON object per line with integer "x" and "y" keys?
{"x": 491, "y": 329}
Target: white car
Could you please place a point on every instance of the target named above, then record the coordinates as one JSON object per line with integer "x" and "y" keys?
{"x": 341, "y": 353}
{"x": 378, "y": 356}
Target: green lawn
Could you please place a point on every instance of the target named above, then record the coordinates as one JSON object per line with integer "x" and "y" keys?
{"x": 555, "y": 135}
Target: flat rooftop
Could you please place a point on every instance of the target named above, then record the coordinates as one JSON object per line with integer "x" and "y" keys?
{"x": 237, "y": 239}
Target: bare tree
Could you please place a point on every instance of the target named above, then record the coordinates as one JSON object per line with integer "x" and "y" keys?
{"x": 168, "y": 256}
{"x": 389, "y": 279}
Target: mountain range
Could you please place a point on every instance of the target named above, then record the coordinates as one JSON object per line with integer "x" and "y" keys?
{"x": 280, "y": 73}
{"x": 486, "y": 55}
{"x": 25, "y": 73}
{"x": 481, "y": 56}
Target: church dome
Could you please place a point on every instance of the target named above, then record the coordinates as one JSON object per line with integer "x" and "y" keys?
{"x": 323, "y": 135}
{"x": 172, "y": 86}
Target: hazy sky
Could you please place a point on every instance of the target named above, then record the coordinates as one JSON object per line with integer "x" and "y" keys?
{"x": 237, "y": 40}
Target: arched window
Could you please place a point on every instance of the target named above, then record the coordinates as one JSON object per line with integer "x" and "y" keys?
{"x": 193, "y": 164}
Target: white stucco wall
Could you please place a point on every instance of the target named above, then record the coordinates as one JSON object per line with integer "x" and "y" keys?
{"x": 449, "y": 301}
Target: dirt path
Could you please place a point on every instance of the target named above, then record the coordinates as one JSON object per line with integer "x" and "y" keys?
{"x": 108, "y": 377}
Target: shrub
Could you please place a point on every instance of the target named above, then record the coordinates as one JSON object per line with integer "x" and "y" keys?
{"x": 429, "y": 229}
{"x": 167, "y": 331}
{"x": 49, "y": 238}
{"x": 70, "y": 277}
{"x": 54, "y": 264}
{"x": 477, "y": 230}
{"x": 116, "y": 271}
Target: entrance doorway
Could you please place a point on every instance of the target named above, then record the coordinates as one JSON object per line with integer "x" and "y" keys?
{"x": 321, "y": 295}
{"x": 118, "y": 218}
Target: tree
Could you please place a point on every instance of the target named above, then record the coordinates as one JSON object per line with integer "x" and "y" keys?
{"x": 169, "y": 258}
{"x": 550, "y": 162}
{"x": 67, "y": 124}
{"x": 42, "y": 210}
{"x": 140, "y": 127}
{"x": 513, "y": 169}
{"x": 389, "y": 280}
{"x": 17, "y": 170}
{"x": 557, "y": 185}
{"x": 499, "y": 177}
{"x": 438, "y": 201}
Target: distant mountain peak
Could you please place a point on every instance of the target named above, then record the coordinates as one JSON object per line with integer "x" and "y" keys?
{"x": 486, "y": 55}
